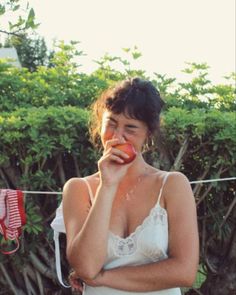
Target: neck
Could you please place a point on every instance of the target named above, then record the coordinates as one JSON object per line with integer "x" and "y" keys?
{"x": 138, "y": 167}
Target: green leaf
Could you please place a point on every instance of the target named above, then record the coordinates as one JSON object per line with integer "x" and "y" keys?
{"x": 2, "y": 9}
{"x": 30, "y": 22}
{"x": 136, "y": 55}
{"x": 126, "y": 50}
{"x": 16, "y": 7}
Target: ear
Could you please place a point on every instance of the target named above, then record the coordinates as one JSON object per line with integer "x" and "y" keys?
{"x": 148, "y": 142}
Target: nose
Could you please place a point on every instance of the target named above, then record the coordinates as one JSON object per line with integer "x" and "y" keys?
{"x": 119, "y": 133}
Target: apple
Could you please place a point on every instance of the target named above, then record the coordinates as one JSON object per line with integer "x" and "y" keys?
{"x": 128, "y": 148}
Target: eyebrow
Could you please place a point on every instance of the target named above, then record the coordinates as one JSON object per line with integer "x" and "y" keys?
{"x": 127, "y": 125}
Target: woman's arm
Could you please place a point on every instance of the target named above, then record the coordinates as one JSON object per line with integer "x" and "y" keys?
{"x": 87, "y": 229}
{"x": 180, "y": 268}
{"x": 86, "y": 232}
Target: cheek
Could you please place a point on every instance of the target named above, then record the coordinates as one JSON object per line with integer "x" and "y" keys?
{"x": 106, "y": 134}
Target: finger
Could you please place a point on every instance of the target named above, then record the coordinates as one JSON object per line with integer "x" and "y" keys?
{"x": 116, "y": 159}
{"x": 114, "y": 141}
{"x": 120, "y": 153}
{"x": 75, "y": 282}
{"x": 77, "y": 285}
{"x": 77, "y": 289}
{"x": 112, "y": 157}
{"x": 116, "y": 152}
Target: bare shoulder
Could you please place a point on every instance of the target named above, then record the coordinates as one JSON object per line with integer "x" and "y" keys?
{"x": 172, "y": 179}
{"x": 76, "y": 201}
{"x": 177, "y": 178}
{"x": 76, "y": 189}
{"x": 75, "y": 192}
{"x": 177, "y": 189}
{"x": 72, "y": 186}
{"x": 76, "y": 205}
{"x": 75, "y": 185}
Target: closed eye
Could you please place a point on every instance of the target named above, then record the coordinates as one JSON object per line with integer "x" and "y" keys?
{"x": 111, "y": 124}
{"x": 131, "y": 130}
{"x": 131, "y": 126}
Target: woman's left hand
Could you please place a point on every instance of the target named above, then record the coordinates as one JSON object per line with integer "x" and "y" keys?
{"x": 77, "y": 284}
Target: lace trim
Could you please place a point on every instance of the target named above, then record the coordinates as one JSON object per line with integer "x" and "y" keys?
{"x": 128, "y": 245}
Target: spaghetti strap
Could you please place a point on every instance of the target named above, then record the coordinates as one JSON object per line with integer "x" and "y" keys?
{"x": 89, "y": 189}
{"x": 162, "y": 186}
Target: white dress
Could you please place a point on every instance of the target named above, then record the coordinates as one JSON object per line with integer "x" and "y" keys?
{"x": 148, "y": 243}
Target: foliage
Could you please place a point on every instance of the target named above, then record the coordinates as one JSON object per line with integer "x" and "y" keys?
{"x": 108, "y": 65}
{"x": 44, "y": 141}
{"x": 198, "y": 91}
{"x": 33, "y": 136}
{"x": 58, "y": 85}
{"x": 25, "y": 20}
{"x": 31, "y": 49}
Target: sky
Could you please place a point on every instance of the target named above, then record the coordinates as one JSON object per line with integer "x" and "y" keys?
{"x": 167, "y": 32}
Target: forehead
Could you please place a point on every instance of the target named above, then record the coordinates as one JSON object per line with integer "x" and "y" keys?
{"x": 108, "y": 115}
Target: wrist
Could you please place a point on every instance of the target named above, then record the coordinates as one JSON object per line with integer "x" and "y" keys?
{"x": 104, "y": 278}
{"x": 107, "y": 191}
{"x": 108, "y": 185}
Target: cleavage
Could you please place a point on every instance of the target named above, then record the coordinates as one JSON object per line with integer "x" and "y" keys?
{"x": 126, "y": 220}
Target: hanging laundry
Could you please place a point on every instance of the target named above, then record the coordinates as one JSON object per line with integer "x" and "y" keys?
{"x": 12, "y": 216}
{"x": 58, "y": 227}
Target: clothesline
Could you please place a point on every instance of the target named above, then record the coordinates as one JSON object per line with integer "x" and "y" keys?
{"x": 192, "y": 182}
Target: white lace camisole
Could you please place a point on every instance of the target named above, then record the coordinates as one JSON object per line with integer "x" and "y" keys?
{"x": 148, "y": 243}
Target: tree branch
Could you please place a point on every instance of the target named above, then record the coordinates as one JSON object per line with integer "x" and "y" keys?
{"x": 179, "y": 158}
{"x": 198, "y": 186}
{"x": 29, "y": 287}
{"x": 232, "y": 250}
{"x": 2, "y": 175}
{"x": 41, "y": 267}
{"x": 9, "y": 281}
{"x": 209, "y": 188}
{"x": 11, "y": 33}
{"x": 78, "y": 174}
{"x": 205, "y": 194}
{"x": 60, "y": 169}
{"x": 228, "y": 212}
{"x": 40, "y": 283}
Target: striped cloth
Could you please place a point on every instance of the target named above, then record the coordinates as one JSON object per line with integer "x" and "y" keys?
{"x": 12, "y": 215}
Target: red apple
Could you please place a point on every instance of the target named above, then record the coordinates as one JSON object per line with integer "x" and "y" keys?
{"x": 128, "y": 148}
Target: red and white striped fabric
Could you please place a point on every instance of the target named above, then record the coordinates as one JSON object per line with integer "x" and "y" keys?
{"x": 12, "y": 215}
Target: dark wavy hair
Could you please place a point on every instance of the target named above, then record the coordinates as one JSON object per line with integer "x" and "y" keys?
{"x": 135, "y": 98}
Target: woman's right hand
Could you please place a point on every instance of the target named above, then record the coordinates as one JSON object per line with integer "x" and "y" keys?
{"x": 111, "y": 165}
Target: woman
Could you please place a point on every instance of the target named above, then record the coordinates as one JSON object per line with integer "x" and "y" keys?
{"x": 131, "y": 228}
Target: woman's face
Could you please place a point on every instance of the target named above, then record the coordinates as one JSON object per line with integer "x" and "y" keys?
{"x": 121, "y": 126}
